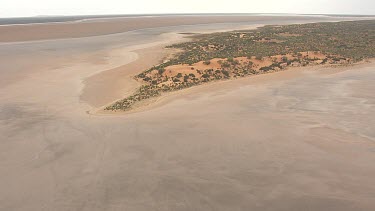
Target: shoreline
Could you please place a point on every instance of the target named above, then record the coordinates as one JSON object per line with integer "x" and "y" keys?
{"x": 167, "y": 97}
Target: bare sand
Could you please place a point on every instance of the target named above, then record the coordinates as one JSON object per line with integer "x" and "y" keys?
{"x": 294, "y": 140}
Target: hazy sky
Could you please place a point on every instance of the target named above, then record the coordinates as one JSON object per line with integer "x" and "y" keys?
{"x": 14, "y": 8}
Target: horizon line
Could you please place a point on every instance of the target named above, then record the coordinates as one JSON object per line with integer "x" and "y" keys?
{"x": 165, "y": 14}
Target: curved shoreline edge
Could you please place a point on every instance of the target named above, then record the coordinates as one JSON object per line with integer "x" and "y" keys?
{"x": 167, "y": 97}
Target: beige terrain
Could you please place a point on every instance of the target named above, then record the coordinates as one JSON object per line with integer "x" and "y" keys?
{"x": 14, "y": 33}
{"x": 301, "y": 139}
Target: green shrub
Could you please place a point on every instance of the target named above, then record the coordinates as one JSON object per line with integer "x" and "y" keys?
{"x": 207, "y": 62}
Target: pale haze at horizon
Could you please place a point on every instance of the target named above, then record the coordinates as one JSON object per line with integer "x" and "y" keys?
{"x": 27, "y": 8}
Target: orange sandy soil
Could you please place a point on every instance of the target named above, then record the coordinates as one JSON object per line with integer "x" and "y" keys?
{"x": 173, "y": 70}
